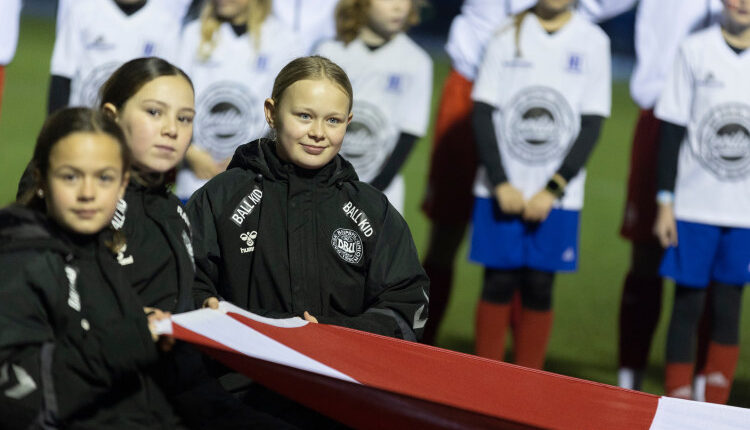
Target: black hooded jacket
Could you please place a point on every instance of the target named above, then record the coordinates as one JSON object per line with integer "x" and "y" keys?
{"x": 280, "y": 240}
{"x": 75, "y": 349}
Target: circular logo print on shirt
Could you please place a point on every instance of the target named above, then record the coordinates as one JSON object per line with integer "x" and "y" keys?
{"x": 228, "y": 115}
{"x": 90, "y": 85}
{"x": 347, "y": 245}
{"x": 368, "y": 140}
{"x": 722, "y": 142}
{"x": 540, "y": 125}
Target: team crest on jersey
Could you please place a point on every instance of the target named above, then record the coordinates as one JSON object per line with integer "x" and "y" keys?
{"x": 228, "y": 115}
{"x": 91, "y": 84}
{"x": 148, "y": 49}
{"x": 249, "y": 239}
{"x": 347, "y": 245}
{"x": 261, "y": 63}
{"x": 368, "y": 140}
{"x": 540, "y": 125}
{"x": 574, "y": 63}
{"x": 394, "y": 83}
{"x": 722, "y": 141}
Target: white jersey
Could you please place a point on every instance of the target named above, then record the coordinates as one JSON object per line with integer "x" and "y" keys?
{"x": 660, "y": 27}
{"x": 94, "y": 37}
{"x": 230, "y": 88}
{"x": 708, "y": 91}
{"x": 11, "y": 13}
{"x": 473, "y": 28}
{"x": 392, "y": 91}
{"x": 540, "y": 97}
{"x": 312, "y": 21}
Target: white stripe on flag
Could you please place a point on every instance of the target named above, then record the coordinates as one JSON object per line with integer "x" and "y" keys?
{"x": 679, "y": 414}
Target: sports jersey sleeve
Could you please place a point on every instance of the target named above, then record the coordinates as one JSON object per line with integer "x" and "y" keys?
{"x": 67, "y": 50}
{"x": 598, "y": 97}
{"x": 59, "y": 375}
{"x": 9, "y": 29}
{"x": 487, "y": 85}
{"x": 415, "y": 112}
{"x": 676, "y": 101}
{"x": 397, "y": 288}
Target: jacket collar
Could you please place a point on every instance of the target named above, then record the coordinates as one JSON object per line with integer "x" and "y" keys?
{"x": 261, "y": 157}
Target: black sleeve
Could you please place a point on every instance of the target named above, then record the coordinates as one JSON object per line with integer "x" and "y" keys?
{"x": 670, "y": 139}
{"x": 397, "y": 159}
{"x": 484, "y": 132}
{"x": 59, "y": 93}
{"x": 581, "y": 149}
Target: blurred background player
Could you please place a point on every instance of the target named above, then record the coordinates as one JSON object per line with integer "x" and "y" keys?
{"x": 448, "y": 198}
{"x": 392, "y": 80}
{"x": 312, "y": 21}
{"x": 9, "y": 23}
{"x": 703, "y": 202}
{"x": 541, "y": 94}
{"x": 94, "y": 37}
{"x": 660, "y": 27}
{"x": 232, "y": 53}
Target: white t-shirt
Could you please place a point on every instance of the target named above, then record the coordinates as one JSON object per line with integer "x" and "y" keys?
{"x": 540, "y": 97}
{"x": 473, "y": 28}
{"x": 230, "y": 88}
{"x": 660, "y": 27}
{"x": 11, "y": 13}
{"x": 392, "y": 92}
{"x": 94, "y": 37}
{"x": 312, "y": 21}
{"x": 708, "y": 91}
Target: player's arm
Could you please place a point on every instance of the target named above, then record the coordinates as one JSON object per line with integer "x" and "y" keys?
{"x": 59, "y": 93}
{"x": 205, "y": 246}
{"x": 581, "y": 149}
{"x": 401, "y": 152}
{"x": 509, "y": 198}
{"x": 670, "y": 139}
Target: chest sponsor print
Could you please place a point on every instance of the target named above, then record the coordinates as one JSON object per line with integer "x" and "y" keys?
{"x": 722, "y": 143}
{"x": 539, "y": 125}
{"x": 247, "y": 206}
{"x": 249, "y": 239}
{"x": 228, "y": 116}
{"x": 347, "y": 244}
{"x": 368, "y": 140}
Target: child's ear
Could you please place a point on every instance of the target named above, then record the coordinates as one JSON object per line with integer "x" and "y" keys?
{"x": 349, "y": 118}
{"x": 110, "y": 110}
{"x": 269, "y": 108}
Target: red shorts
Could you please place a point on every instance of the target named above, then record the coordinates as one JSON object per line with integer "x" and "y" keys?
{"x": 449, "y": 198}
{"x": 640, "y": 207}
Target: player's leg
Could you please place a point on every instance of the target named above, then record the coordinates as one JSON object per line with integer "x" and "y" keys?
{"x": 640, "y": 304}
{"x": 535, "y": 322}
{"x": 729, "y": 274}
{"x": 493, "y": 311}
{"x": 690, "y": 265}
{"x": 448, "y": 199}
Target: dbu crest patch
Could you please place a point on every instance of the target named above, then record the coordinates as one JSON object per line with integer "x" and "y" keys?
{"x": 347, "y": 245}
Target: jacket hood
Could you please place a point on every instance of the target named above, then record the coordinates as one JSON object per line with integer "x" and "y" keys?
{"x": 23, "y": 228}
{"x": 260, "y": 156}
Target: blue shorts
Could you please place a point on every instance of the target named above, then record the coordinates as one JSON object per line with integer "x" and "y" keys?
{"x": 501, "y": 241}
{"x": 706, "y": 253}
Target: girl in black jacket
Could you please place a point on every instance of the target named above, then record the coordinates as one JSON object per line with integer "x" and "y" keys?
{"x": 76, "y": 344}
{"x": 289, "y": 230}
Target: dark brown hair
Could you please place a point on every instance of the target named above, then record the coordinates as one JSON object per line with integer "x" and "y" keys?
{"x": 124, "y": 83}
{"x": 58, "y": 126}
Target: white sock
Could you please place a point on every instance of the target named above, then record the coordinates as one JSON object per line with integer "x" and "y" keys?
{"x": 630, "y": 378}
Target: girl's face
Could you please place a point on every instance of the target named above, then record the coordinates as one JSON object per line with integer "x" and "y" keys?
{"x": 158, "y": 122}
{"x": 84, "y": 181}
{"x": 310, "y": 122}
{"x": 234, "y": 11}
{"x": 738, "y": 12}
{"x": 388, "y": 17}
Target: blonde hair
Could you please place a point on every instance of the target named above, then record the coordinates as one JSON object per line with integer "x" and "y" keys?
{"x": 517, "y": 21}
{"x": 312, "y": 67}
{"x": 257, "y": 12}
{"x": 351, "y": 16}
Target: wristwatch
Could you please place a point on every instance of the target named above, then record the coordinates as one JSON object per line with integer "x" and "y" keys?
{"x": 555, "y": 188}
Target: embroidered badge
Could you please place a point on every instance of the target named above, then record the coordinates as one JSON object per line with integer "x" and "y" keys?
{"x": 347, "y": 245}
{"x": 249, "y": 239}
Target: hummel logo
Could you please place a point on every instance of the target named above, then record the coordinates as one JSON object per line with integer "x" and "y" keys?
{"x": 249, "y": 239}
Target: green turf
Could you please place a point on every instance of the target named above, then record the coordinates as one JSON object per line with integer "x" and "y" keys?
{"x": 583, "y": 342}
